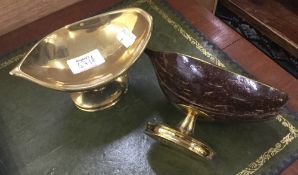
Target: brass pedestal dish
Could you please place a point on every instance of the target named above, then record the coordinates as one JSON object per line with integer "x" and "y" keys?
{"x": 211, "y": 93}
{"x": 89, "y": 58}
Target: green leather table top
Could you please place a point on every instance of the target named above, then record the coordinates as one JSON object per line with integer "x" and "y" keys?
{"x": 42, "y": 132}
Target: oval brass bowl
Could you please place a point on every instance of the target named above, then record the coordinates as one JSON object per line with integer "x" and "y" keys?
{"x": 209, "y": 92}
{"x": 89, "y": 58}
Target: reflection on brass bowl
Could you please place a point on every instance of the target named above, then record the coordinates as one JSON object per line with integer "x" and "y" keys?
{"x": 89, "y": 58}
{"x": 203, "y": 90}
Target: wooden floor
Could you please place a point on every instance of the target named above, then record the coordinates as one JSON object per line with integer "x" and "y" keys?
{"x": 253, "y": 60}
{"x": 277, "y": 19}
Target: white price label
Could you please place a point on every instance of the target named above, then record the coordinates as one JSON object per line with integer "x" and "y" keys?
{"x": 126, "y": 37}
{"x": 85, "y": 62}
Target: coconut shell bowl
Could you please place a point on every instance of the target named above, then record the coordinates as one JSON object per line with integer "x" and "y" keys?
{"x": 89, "y": 58}
{"x": 205, "y": 91}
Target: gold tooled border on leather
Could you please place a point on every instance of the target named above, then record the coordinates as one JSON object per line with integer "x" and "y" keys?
{"x": 11, "y": 60}
{"x": 263, "y": 158}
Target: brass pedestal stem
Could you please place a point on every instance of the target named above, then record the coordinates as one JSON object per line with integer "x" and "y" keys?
{"x": 187, "y": 126}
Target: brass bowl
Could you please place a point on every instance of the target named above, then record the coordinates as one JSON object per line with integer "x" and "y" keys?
{"x": 203, "y": 90}
{"x": 89, "y": 58}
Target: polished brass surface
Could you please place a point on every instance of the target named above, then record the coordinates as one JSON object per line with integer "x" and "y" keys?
{"x": 179, "y": 140}
{"x": 114, "y": 39}
{"x": 182, "y": 137}
{"x": 102, "y": 97}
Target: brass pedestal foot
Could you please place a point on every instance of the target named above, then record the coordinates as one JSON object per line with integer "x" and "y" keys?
{"x": 102, "y": 97}
{"x": 180, "y": 139}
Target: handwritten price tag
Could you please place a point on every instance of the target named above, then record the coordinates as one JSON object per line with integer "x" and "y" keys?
{"x": 85, "y": 62}
{"x": 126, "y": 37}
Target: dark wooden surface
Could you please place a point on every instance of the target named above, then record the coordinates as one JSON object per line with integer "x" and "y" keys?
{"x": 253, "y": 60}
{"x": 277, "y": 19}
{"x": 292, "y": 170}
{"x": 15, "y": 14}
